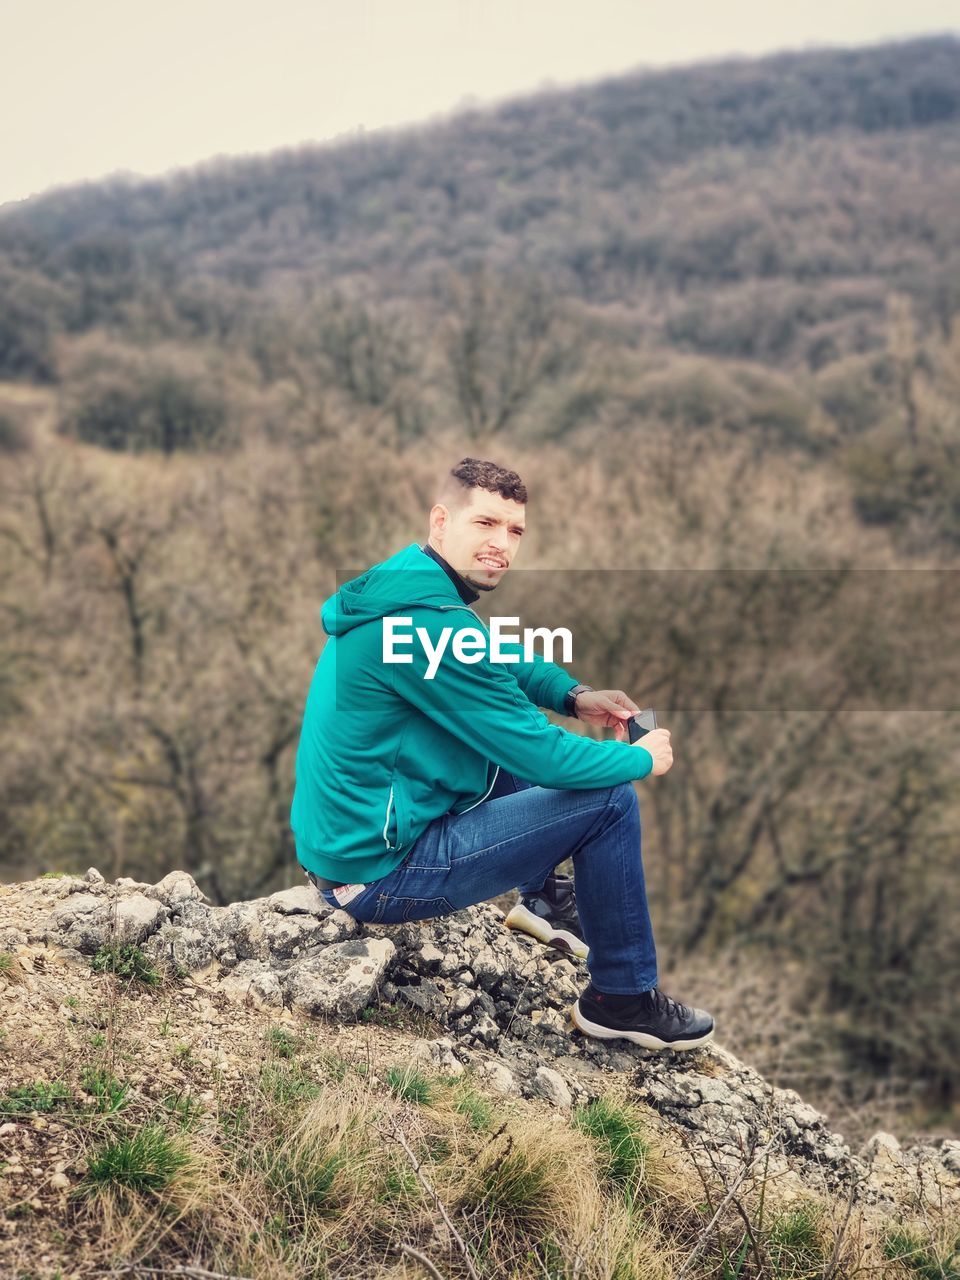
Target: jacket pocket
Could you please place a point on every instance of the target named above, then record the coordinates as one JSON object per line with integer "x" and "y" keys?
{"x": 396, "y": 825}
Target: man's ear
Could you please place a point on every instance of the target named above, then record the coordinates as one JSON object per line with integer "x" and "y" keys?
{"x": 439, "y": 516}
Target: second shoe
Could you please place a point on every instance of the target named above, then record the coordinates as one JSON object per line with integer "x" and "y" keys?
{"x": 550, "y": 916}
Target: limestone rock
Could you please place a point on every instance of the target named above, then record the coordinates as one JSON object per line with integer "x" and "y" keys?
{"x": 342, "y": 979}
{"x": 498, "y": 1077}
{"x": 551, "y": 1085}
{"x": 288, "y": 935}
{"x": 254, "y": 983}
{"x": 175, "y": 888}
{"x": 302, "y": 899}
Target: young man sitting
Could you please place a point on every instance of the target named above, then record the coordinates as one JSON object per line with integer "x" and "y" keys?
{"x": 428, "y": 779}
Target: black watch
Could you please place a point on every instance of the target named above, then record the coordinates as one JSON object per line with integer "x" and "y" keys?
{"x": 570, "y": 698}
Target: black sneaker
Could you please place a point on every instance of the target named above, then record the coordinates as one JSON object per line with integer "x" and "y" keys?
{"x": 551, "y": 916}
{"x": 650, "y": 1019}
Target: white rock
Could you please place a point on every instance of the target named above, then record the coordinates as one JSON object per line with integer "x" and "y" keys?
{"x": 342, "y": 979}
{"x": 879, "y": 1141}
{"x": 301, "y": 899}
{"x": 137, "y": 917}
{"x": 337, "y": 927}
{"x": 498, "y": 1077}
{"x": 177, "y": 886}
{"x": 552, "y": 1086}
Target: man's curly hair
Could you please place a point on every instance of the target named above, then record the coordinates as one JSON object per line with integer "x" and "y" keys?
{"x": 472, "y": 473}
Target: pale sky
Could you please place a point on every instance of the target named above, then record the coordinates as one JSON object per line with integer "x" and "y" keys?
{"x": 93, "y": 87}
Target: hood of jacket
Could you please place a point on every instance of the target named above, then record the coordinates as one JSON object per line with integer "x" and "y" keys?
{"x": 410, "y": 577}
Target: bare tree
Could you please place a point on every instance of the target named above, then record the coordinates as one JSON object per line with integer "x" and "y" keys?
{"x": 503, "y": 341}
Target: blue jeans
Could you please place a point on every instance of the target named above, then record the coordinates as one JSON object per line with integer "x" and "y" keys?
{"x": 515, "y": 838}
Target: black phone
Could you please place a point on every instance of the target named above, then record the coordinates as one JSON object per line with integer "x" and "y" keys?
{"x": 641, "y": 723}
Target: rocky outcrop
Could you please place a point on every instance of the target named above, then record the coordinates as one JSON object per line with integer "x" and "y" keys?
{"x": 483, "y": 997}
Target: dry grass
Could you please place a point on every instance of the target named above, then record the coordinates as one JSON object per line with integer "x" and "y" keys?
{"x": 333, "y": 1153}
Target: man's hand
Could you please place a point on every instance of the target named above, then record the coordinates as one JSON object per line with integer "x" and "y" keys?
{"x": 657, "y": 742}
{"x": 609, "y": 708}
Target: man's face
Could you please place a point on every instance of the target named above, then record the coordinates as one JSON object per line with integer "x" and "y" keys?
{"x": 480, "y": 540}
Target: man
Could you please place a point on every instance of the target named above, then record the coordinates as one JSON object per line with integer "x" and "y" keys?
{"x": 428, "y": 779}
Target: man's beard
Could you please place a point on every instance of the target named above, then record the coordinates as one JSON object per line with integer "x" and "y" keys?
{"x": 480, "y": 586}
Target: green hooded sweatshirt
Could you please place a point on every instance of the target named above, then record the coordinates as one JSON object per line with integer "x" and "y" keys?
{"x": 383, "y": 750}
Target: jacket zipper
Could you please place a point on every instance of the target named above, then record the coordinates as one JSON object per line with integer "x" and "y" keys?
{"x": 386, "y": 821}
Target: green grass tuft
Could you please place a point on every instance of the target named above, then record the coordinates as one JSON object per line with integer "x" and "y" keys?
{"x": 517, "y": 1185}
{"x": 478, "y": 1109}
{"x": 411, "y": 1085}
{"x": 126, "y": 961}
{"x": 108, "y": 1091}
{"x": 307, "y": 1182}
{"x": 794, "y": 1243}
{"x": 185, "y": 1107}
{"x": 282, "y": 1044}
{"x": 616, "y": 1130}
{"x": 920, "y": 1256}
{"x": 148, "y": 1160}
{"x": 24, "y": 1098}
{"x": 288, "y": 1083}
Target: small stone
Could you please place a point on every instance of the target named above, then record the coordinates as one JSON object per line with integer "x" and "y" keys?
{"x": 462, "y": 1002}
{"x": 175, "y": 888}
{"x": 430, "y": 956}
{"x": 337, "y": 927}
{"x": 302, "y": 899}
{"x": 485, "y": 1030}
{"x": 880, "y": 1141}
{"x": 250, "y": 979}
{"x": 551, "y": 1085}
{"x": 93, "y": 876}
{"x": 427, "y": 997}
{"x": 498, "y": 1077}
{"x": 60, "y": 1182}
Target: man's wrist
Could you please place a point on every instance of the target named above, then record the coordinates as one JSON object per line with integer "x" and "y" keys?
{"x": 570, "y": 698}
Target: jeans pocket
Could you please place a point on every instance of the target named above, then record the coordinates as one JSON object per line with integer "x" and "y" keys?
{"x": 424, "y": 908}
{"x": 397, "y": 910}
{"x": 366, "y": 906}
{"x": 431, "y": 850}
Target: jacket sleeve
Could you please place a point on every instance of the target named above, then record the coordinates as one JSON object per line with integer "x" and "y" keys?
{"x": 545, "y": 683}
{"x": 483, "y": 705}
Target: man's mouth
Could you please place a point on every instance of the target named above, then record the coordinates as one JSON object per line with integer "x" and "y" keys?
{"x": 491, "y": 562}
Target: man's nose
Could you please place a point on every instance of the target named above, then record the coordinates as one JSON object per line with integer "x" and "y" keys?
{"x": 499, "y": 540}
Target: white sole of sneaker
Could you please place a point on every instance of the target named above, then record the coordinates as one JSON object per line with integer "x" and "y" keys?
{"x": 643, "y": 1038}
{"x": 525, "y": 921}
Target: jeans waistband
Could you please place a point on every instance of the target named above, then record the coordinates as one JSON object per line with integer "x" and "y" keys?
{"x": 323, "y": 883}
